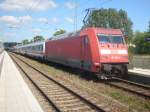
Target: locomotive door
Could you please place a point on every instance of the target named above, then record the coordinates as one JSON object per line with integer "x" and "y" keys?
{"x": 86, "y": 53}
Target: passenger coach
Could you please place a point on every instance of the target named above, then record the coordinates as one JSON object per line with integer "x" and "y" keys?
{"x": 36, "y": 50}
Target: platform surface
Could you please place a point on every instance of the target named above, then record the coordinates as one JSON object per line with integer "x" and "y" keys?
{"x": 15, "y": 95}
{"x": 1, "y": 61}
{"x": 140, "y": 71}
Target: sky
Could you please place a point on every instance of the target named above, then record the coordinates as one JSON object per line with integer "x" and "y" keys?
{"x": 24, "y": 19}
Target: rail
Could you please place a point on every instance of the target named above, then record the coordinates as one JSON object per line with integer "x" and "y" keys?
{"x": 51, "y": 102}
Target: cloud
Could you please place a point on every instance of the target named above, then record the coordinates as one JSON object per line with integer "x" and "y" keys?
{"x": 24, "y": 19}
{"x": 36, "y": 30}
{"x": 43, "y": 20}
{"x": 54, "y": 20}
{"x": 13, "y": 21}
{"x": 21, "y": 5}
{"x": 70, "y": 5}
{"x": 70, "y": 20}
{"x": 10, "y": 20}
{"x": 10, "y": 34}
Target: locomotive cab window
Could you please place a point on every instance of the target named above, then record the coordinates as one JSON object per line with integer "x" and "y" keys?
{"x": 116, "y": 39}
{"x": 103, "y": 39}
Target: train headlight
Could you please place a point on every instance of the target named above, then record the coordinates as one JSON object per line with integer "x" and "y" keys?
{"x": 96, "y": 64}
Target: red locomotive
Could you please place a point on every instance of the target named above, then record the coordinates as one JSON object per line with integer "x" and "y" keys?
{"x": 98, "y": 50}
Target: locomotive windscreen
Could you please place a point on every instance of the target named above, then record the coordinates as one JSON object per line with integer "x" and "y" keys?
{"x": 117, "y": 39}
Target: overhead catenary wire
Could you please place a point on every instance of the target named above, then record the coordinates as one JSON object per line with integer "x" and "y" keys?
{"x": 90, "y": 10}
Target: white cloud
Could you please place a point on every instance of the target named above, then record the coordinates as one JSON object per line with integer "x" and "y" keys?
{"x": 10, "y": 20}
{"x": 70, "y": 5}
{"x": 43, "y": 20}
{"x": 13, "y": 21}
{"x": 70, "y": 20}
{"x": 19, "y": 5}
{"x": 54, "y": 20}
{"x": 36, "y": 30}
{"x": 25, "y": 19}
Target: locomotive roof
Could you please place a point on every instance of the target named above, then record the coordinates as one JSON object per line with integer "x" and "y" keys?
{"x": 65, "y": 35}
{"x": 73, "y": 34}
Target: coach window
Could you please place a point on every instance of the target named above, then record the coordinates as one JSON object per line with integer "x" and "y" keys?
{"x": 37, "y": 48}
{"x": 32, "y": 48}
{"x": 41, "y": 47}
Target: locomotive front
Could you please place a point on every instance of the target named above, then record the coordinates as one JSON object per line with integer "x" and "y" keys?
{"x": 112, "y": 52}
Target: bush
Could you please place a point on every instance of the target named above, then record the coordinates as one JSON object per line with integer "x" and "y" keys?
{"x": 142, "y": 46}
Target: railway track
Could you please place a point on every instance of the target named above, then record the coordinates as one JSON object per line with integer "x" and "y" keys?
{"x": 135, "y": 88}
{"x": 132, "y": 87}
{"x": 59, "y": 96}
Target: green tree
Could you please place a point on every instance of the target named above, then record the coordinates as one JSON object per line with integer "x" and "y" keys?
{"x": 61, "y": 31}
{"x": 38, "y": 38}
{"x": 142, "y": 46}
{"x": 31, "y": 41}
{"x": 26, "y": 41}
{"x": 110, "y": 18}
{"x": 125, "y": 23}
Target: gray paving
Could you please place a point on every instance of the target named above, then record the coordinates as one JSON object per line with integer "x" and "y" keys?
{"x": 15, "y": 96}
{"x": 1, "y": 61}
{"x": 140, "y": 71}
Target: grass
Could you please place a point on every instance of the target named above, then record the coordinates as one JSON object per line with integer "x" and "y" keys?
{"x": 133, "y": 102}
{"x": 116, "y": 95}
{"x": 147, "y": 106}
